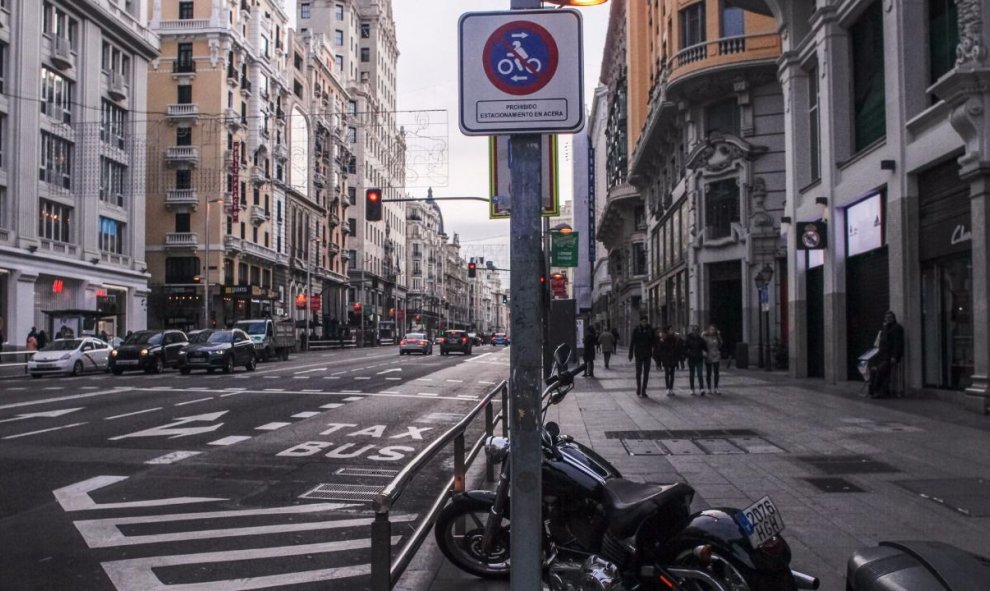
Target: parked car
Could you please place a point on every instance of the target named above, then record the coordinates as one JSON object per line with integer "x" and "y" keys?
{"x": 219, "y": 349}
{"x": 415, "y": 342}
{"x": 456, "y": 340}
{"x": 500, "y": 338}
{"x": 272, "y": 340}
{"x": 70, "y": 356}
{"x": 148, "y": 350}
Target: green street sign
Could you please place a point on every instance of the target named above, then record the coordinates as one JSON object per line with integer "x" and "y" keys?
{"x": 564, "y": 249}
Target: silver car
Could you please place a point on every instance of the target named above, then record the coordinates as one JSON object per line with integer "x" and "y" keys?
{"x": 70, "y": 356}
{"x": 415, "y": 342}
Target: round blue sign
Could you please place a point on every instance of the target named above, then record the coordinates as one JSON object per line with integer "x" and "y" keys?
{"x": 520, "y": 57}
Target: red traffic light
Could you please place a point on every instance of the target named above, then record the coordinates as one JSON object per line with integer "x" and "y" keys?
{"x": 357, "y": 306}
{"x": 472, "y": 269}
{"x": 373, "y": 205}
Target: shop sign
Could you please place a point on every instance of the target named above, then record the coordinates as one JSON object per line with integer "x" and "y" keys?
{"x": 812, "y": 235}
{"x": 184, "y": 290}
{"x": 564, "y": 249}
{"x": 864, "y": 225}
{"x": 591, "y": 204}
{"x": 235, "y": 190}
{"x": 499, "y": 177}
{"x": 558, "y": 286}
{"x": 947, "y": 237}
{"x": 316, "y": 304}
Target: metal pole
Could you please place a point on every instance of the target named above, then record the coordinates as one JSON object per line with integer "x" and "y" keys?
{"x": 524, "y": 360}
{"x": 309, "y": 289}
{"x": 206, "y": 282}
{"x": 364, "y": 264}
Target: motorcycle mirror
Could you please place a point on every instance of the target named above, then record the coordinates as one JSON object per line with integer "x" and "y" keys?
{"x": 562, "y": 355}
{"x": 553, "y": 429}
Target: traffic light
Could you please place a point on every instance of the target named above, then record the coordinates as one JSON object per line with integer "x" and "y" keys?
{"x": 505, "y": 299}
{"x": 472, "y": 269}
{"x": 357, "y": 307}
{"x": 373, "y": 205}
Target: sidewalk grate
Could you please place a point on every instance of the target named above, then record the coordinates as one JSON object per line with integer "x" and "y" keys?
{"x": 834, "y": 485}
{"x": 835, "y": 465}
{"x": 681, "y": 434}
{"x": 332, "y": 491}
{"x": 373, "y": 472}
{"x": 968, "y": 496}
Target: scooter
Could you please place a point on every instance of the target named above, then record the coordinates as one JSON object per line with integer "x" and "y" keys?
{"x": 603, "y": 532}
{"x": 916, "y": 566}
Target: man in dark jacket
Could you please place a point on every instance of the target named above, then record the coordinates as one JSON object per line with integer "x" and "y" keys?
{"x": 641, "y": 347}
{"x": 590, "y": 343}
{"x": 668, "y": 352}
{"x": 694, "y": 350}
{"x": 891, "y": 350}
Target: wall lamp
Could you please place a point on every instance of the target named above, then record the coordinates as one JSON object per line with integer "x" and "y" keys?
{"x": 33, "y": 248}
{"x": 785, "y": 224}
{"x": 888, "y": 165}
{"x": 823, "y": 203}
{"x": 94, "y": 260}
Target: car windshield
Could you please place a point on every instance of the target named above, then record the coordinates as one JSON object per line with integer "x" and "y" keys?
{"x": 253, "y": 327}
{"x": 63, "y": 345}
{"x": 144, "y": 338}
{"x": 416, "y": 336}
{"x": 200, "y": 336}
{"x": 221, "y": 336}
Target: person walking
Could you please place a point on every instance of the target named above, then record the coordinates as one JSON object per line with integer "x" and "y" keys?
{"x": 694, "y": 351}
{"x": 641, "y": 347}
{"x": 606, "y": 341}
{"x": 590, "y": 343}
{"x": 31, "y": 344}
{"x": 42, "y": 339}
{"x": 890, "y": 345}
{"x": 667, "y": 353}
{"x": 713, "y": 355}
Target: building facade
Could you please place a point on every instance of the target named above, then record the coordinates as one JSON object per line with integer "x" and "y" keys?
{"x": 425, "y": 256}
{"x": 73, "y": 166}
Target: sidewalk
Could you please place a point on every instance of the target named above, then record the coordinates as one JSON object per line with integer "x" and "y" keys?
{"x": 845, "y": 471}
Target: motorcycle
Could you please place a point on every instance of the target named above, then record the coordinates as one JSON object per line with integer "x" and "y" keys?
{"x": 606, "y": 533}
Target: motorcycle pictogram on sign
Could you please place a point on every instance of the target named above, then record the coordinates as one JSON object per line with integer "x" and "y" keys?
{"x": 520, "y": 58}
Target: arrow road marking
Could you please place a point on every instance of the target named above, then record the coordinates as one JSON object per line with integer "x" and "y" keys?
{"x": 172, "y": 431}
{"x": 49, "y": 414}
{"x": 75, "y": 497}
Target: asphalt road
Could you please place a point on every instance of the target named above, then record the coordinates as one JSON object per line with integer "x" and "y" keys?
{"x": 219, "y": 482}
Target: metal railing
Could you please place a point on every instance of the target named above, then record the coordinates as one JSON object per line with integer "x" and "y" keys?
{"x": 10, "y": 359}
{"x": 385, "y": 571}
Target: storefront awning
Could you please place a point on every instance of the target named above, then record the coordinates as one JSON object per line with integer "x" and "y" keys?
{"x": 77, "y": 313}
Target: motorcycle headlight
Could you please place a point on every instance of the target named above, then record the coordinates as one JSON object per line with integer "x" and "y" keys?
{"x": 497, "y": 449}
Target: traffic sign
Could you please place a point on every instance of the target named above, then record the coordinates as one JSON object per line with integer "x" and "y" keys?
{"x": 521, "y": 72}
{"x": 499, "y": 174}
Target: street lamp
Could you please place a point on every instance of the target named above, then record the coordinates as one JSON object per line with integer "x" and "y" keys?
{"x": 763, "y": 281}
{"x": 206, "y": 276}
{"x": 309, "y": 286}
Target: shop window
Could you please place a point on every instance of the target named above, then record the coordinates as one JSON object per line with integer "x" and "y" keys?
{"x": 943, "y": 37}
{"x": 181, "y": 269}
{"x": 869, "y": 111}
{"x": 721, "y": 208}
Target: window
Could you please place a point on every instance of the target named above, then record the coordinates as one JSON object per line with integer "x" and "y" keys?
{"x": 638, "y": 258}
{"x": 297, "y": 88}
{"x": 56, "y": 161}
{"x": 181, "y": 269}
{"x": 365, "y": 31}
{"x": 352, "y": 260}
{"x": 112, "y": 182}
{"x": 183, "y": 136}
{"x": 733, "y": 22}
{"x": 113, "y": 122}
{"x": 184, "y": 57}
{"x": 3, "y": 67}
{"x": 184, "y": 94}
{"x": 305, "y": 10}
{"x": 365, "y": 54}
{"x": 297, "y": 61}
{"x": 115, "y": 61}
{"x": 338, "y": 37}
{"x": 56, "y": 96}
{"x": 352, "y": 135}
{"x": 869, "y": 112}
{"x": 693, "y": 25}
{"x": 338, "y": 61}
{"x": 111, "y": 236}
{"x": 721, "y": 208}
{"x": 58, "y": 23}
{"x": 338, "y": 11}
{"x": 814, "y": 154}
{"x": 183, "y": 179}
{"x": 54, "y": 221}
{"x": 185, "y": 10}
{"x": 943, "y": 37}
{"x": 182, "y": 222}
{"x": 4, "y": 223}
{"x": 3, "y": 125}
{"x": 722, "y": 117}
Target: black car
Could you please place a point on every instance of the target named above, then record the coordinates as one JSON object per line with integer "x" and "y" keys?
{"x": 456, "y": 340}
{"x": 218, "y": 349}
{"x": 148, "y": 350}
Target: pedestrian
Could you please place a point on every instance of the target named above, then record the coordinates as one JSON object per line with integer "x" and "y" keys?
{"x": 713, "y": 355}
{"x": 890, "y": 345}
{"x": 641, "y": 347}
{"x": 42, "y": 339}
{"x": 606, "y": 341}
{"x": 615, "y": 333}
{"x": 694, "y": 351}
{"x": 590, "y": 343}
{"x": 31, "y": 344}
{"x": 667, "y": 353}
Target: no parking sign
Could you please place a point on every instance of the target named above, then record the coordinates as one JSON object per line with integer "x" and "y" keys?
{"x": 521, "y": 72}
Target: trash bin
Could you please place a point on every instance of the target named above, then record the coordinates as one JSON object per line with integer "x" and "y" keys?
{"x": 742, "y": 355}
{"x": 916, "y": 565}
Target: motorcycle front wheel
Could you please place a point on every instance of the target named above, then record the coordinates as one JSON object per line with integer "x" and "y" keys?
{"x": 459, "y": 531}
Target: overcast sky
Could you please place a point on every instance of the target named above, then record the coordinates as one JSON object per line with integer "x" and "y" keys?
{"x": 427, "y": 82}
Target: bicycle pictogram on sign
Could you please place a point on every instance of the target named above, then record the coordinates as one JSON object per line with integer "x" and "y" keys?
{"x": 520, "y": 58}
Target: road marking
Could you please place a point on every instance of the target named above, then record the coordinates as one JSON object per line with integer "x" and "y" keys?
{"x": 467, "y": 397}
{"x": 332, "y": 405}
{"x": 456, "y": 381}
{"x": 393, "y": 379}
{"x": 274, "y": 389}
{"x": 312, "y": 370}
{"x": 175, "y": 456}
{"x": 37, "y": 415}
{"x": 350, "y": 392}
{"x": 75, "y": 497}
{"x": 193, "y": 401}
{"x": 331, "y": 378}
{"x": 53, "y": 388}
{"x": 300, "y": 377}
{"x": 116, "y": 390}
{"x": 353, "y": 398}
{"x": 235, "y": 389}
{"x": 362, "y": 378}
{"x": 337, "y": 373}
{"x": 271, "y": 426}
{"x": 232, "y": 393}
{"x": 131, "y": 414}
{"x": 44, "y": 431}
{"x": 172, "y": 430}
{"x": 305, "y": 415}
{"x": 272, "y": 377}
{"x": 424, "y": 379}
{"x": 431, "y": 394}
{"x": 392, "y": 370}
{"x": 12, "y": 389}
{"x": 106, "y": 533}
{"x": 230, "y": 440}
{"x": 479, "y": 357}
{"x": 83, "y": 387}
{"x": 486, "y": 383}
{"x": 312, "y": 390}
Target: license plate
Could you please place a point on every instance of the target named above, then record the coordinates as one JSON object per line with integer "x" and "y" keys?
{"x": 761, "y": 521}
{"x": 126, "y": 362}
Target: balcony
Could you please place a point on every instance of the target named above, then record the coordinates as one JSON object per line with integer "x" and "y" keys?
{"x": 182, "y": 155}
{"x": 723, "y": 52}
{"x": 62, "y": 53}
{"x": 259, "y": 214}
{"x": 232, "y": 118}
{"x": 334, "y": 248}
{"x": 281, "y": 152}
{"x": 183, "y": 25}
{"x": 258, "y": 175}
{"x": 181, "y": 240}
{"x": 183, "y": 67}
{"x": 181, "y": 198}
{"x": 232, "y": 76}
{"x": 115, "y": 259}
{"x": 59, "y": 247}
{"x": 232, "y": 245}
{"x": 183, "y": 111}
{"x": 245, "y": 86}
{"x": 319, "y": 180}
{"x": 334, "y": 220}
{"x": 117, "y": 87}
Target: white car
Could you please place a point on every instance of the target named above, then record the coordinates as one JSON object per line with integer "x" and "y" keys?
{"x": 70, "y": 356}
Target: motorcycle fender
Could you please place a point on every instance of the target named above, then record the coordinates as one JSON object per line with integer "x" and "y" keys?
{"x": 474, "y": 497}
{"x": 718, "y": 528}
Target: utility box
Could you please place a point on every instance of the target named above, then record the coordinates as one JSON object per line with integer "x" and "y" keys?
{"x": 563, "y": 328}
{"x": 741, "y": 356}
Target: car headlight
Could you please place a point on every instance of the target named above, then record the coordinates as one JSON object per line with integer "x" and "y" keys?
{"x": 216, "y": 352}
{"x": 144, "y": 353}
{"x": 113, "y": 353}
{"x": 497, "y": 449}
{"x": 182, "y": 353}
{"x": 65, "y": 357}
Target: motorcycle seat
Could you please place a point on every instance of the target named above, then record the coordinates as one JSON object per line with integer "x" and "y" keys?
{"x": 628, "y": 503}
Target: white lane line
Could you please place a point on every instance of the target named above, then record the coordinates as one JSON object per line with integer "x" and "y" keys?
{"x": 231, "y": 394}
{"x": 389, "y": 392}
{"x": 424, "y": 379}
{"x": 467, "y": 397}
{"x": 274, "y": 389}
{"x": 171, "y": 458}
{"x": 312, "y": 390}
{"x": 83, "y": 387}
{"x": 350, "y": 392}
{"x": 53, "y": 388}
{"x": 362, "y": 378}
{"x": 456, "y": 381}
{"x": 194, "y": 401}
{"x": 230, "y": 440}
{"x": 331, "y": 378}
{"x": 486, "y": 383}
{"x": 234, "y": 389}
{"x": 44, "y": 431}
{"x": 330, "y": 405}
{"x": 271, "y": 426}
{"x": 305, "y": 415}
{"x": 12, "y": 389}
{"x": 337, "y": 373}
{"x": 430, "y": 394}
{"x": 353, "y": 398}
{"x": 131, "y": 414}
{"x": 312, "y": 370}
{"x": 393, "y": 379}
{"x": 272, "y": 377}
{"x": 300, "y": 377}
{"x": 479, "y": 357}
